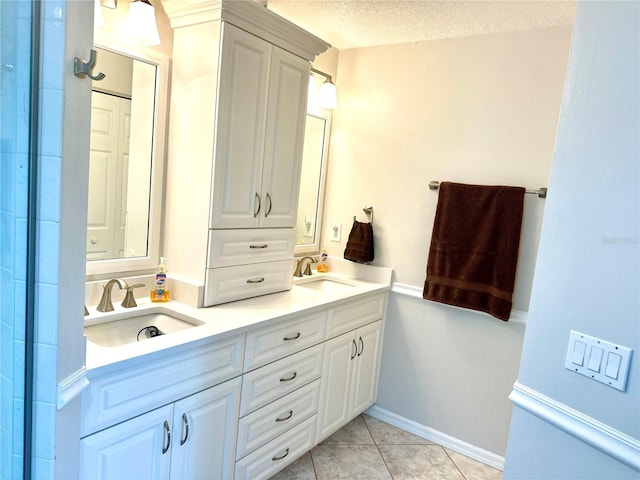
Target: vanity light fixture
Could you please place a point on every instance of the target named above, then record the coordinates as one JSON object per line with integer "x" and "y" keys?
{"x": 140, "y": 25}
{"x": 327, "y": 98}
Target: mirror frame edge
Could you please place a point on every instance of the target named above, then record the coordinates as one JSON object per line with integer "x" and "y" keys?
{"x": 100, "y": 268}
{"x": 315, "y": 247}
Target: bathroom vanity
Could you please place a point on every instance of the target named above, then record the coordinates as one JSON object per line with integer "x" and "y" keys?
{"x": 248, "y": 388}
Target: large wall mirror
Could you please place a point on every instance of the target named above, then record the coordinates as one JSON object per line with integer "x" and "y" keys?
{"x": 312, "y": 180}
{"x": 128, "y": 121}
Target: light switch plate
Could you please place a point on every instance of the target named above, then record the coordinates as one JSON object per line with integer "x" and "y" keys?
{"x": 336, "y": 232}
{"x": 598, "y": 359}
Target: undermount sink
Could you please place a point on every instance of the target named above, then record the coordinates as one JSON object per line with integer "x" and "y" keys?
{"x": 137, "y": 328}
{"x": 326, "y": 285}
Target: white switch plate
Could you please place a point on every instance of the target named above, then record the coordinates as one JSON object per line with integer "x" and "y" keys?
{"x": 336, "y": 232}
{"x": 599, "y": 360}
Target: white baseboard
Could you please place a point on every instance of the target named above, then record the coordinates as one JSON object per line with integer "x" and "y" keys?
{"x": 608, "y": 440}
{"x": 463, "y": 448}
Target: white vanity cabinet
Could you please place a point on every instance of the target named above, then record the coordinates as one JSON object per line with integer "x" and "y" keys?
{"x": 262, "y": 100}
{"x": 145, "y": 419}
{"x": 351, "y": 362}
{"x": 237, "y": 125}
{"x": 192, "y": 438}
{"x": 244, "y": 406}
{"x": 260, "y": 131}
{"x": 349, "y": 377}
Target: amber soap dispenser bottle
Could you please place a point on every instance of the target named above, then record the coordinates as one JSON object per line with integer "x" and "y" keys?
{"x": 160, "y": 292}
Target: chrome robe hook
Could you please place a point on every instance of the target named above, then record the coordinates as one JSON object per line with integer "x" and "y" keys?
{"x": 84, "y": 69}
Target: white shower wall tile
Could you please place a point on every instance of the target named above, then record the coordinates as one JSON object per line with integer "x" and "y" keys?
{"x": 51, "y": 110}
{"x": 22, "y": 126}
{"x": 48, "y": 254}
{"x": 21, "y": 179}
{"x": 20, "y": 309}
{"x": 20, "y": 252}
{"x": 46, "y": 301}
{"x": 45, "y": 366}
{"x": 48, "y": 239}
{"x": 49, "y": 191}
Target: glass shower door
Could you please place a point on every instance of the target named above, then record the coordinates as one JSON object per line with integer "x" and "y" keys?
{"x": 16, "y": 214}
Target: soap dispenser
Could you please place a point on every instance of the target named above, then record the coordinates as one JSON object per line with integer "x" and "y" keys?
{"x": 160, "y": 292}
{"x": 323, "y": 266}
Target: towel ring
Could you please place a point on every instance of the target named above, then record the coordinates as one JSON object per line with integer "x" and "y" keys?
{"x": 369, "y": 211}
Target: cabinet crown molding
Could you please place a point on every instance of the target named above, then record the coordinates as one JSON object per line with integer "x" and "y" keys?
{"x": 248, "y": 15}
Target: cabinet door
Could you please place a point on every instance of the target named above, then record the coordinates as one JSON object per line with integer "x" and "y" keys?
{"x": 138, "y": 448}
{"x": 288, "y": 88}
{"x": 242, "y": 113}
{"x": 337, "y": 368}
{"x": 364, "y": 385}
{"x": 205, "y": 426}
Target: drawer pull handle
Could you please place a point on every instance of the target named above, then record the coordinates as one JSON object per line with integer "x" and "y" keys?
{"x": 185, "y": 424}
{"x": 286, "y": 452}
{"x": 256, "y": 280}
{"x": 355, "y": 349}
{"x": 361, "y": 347}
{"x": 286, "y": 339}
{"x": 295, "y": 374}
{"x": 281, "y": 419}
{"x": 264, "y": 245}
{"x": 167, "y": 431}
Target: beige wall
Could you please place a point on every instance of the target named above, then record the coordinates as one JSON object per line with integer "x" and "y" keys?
{"x": 480, "y": 109}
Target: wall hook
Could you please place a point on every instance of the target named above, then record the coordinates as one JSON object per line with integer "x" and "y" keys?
{"x": 84, "y": 69}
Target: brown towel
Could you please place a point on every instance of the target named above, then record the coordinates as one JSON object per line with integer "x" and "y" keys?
{"x": 474, "y": 247}
{"x": 360, "y": 244}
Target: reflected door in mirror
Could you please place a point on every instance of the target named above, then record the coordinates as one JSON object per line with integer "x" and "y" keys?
{"x": 122, "y": 122}
{"x": 108, "y": 167}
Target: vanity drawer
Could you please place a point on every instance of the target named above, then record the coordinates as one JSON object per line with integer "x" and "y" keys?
{"x": 268, "y": 383}
{"x": 134, "y": 390}
{"x": 273, "y": 342}
{"x": 265, "y": 424}
{"x": 228, "y": 284}
{"x": 351, "y": 315}
{"x": 240, "y": 247}
{"x": 278, "y": 453}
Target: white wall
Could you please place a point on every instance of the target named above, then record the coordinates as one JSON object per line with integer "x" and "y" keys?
{"x": 587, "y": 271}
{"x": 479, "y": 109}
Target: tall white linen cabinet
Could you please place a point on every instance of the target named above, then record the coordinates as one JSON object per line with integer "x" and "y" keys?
{"x": 240, "y": 76}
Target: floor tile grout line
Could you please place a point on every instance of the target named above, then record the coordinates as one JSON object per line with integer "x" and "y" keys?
{"x": 313, "y": 465}
{"x": 454, "y": 463}
{"x": 377, "y": 447}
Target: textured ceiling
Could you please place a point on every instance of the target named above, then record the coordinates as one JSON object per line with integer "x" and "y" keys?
{"x": 363, "y": 23}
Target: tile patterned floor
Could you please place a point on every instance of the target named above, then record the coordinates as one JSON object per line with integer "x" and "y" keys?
{"x": 368, "y": 449}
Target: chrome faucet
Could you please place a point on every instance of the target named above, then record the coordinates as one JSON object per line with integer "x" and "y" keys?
{"x": 298, "y": 271}
{"x": 105, "y": 304}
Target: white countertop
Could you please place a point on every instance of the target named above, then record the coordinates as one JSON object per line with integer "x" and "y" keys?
{"x": 232, "y": 318}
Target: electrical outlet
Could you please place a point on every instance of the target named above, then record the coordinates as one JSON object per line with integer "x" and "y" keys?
{"x": 336, "y": 232}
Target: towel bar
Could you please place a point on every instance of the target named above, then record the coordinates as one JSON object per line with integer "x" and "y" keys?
{"x": 541, "y": 192}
